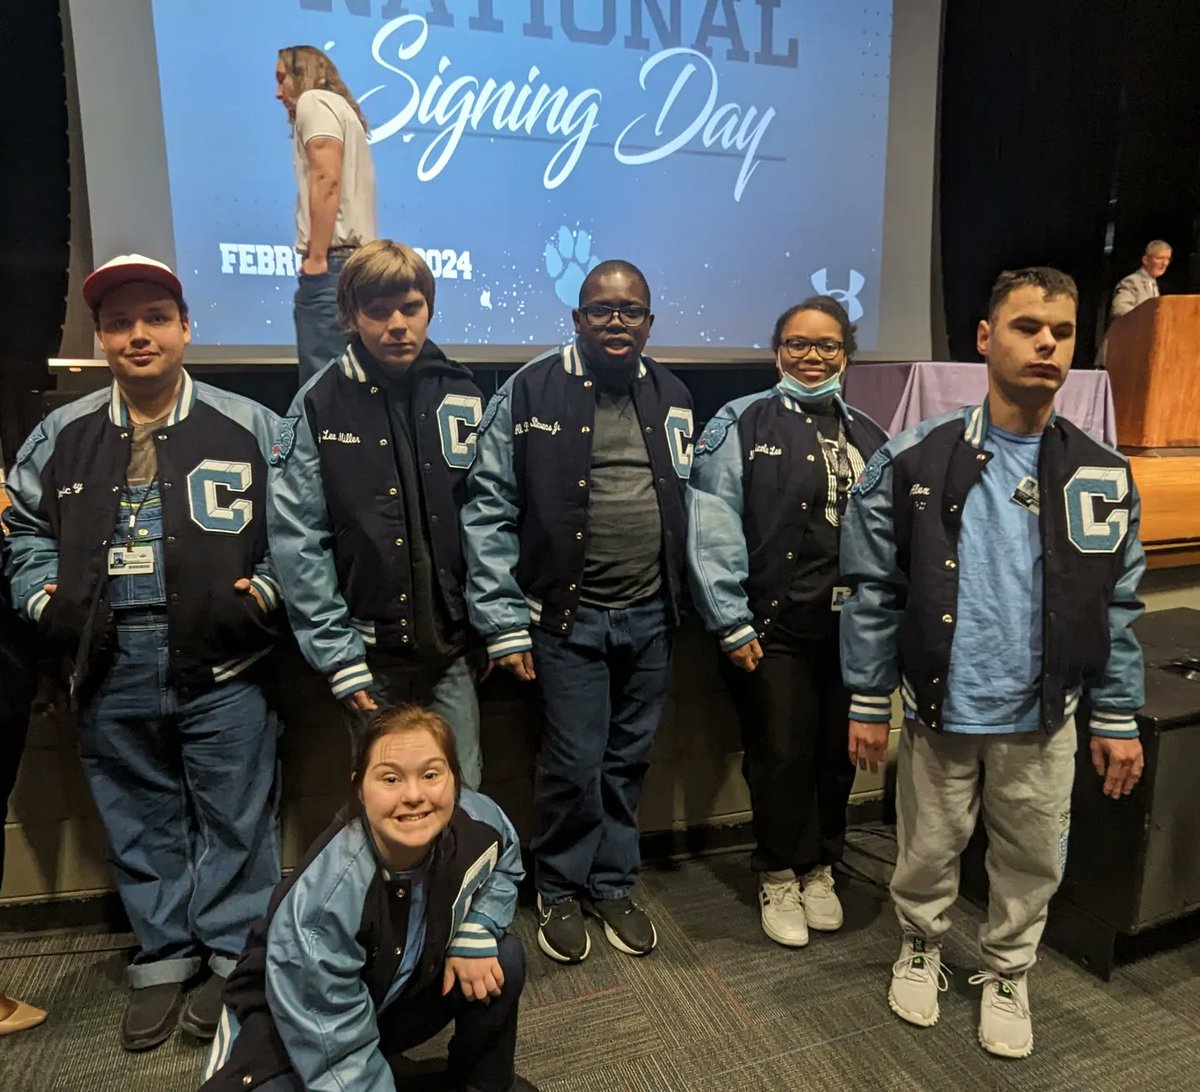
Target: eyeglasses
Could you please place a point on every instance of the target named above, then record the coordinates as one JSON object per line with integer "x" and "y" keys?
{"x": 799, "y": 347}
{"x": 601, "y": 314}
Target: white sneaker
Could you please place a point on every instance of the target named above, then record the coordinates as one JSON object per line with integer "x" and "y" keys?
{"x": 917, "y": 978}
{"x": 782, "y": 909}
{"x": 822, "y": 910}
{"x": 1005, "y": 1024}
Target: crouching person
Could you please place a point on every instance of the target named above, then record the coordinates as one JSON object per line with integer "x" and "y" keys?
{"x": 390, "y": 928}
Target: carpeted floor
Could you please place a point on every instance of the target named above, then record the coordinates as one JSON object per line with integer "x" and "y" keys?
{"x": 716, "y": 1008}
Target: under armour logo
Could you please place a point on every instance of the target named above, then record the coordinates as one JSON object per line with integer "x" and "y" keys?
{"x": 847, "y": 298}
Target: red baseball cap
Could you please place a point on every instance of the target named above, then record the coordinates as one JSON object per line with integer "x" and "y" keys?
{"x": 125, "y": 268}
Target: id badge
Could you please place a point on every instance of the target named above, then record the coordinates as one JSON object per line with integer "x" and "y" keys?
{"x": 1026, "y": 494}
{"x": 130, "y": 560}
{"x": 840, "y": 595}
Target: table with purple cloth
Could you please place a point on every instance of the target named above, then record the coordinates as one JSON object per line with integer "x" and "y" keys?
{"x": 900, "y": 395}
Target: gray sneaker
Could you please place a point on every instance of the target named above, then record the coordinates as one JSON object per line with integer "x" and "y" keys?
{"x": 917, "y": 979}
{"x": 1005, "y": 1024}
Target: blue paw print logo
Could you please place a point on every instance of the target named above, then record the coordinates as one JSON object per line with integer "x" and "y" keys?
{"x": 568, "y": 259}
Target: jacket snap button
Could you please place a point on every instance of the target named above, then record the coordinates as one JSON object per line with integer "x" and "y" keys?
{"x": 790, "y": 555}
{"x": 393, "y": 491}
{"x": 579, "y": 535}
{"x": 766, "y": 621}
{"x": 774, "y": 602}
{"x": 585, "y": 429}
{"x": 399, "y": 542}
{"x": 935, "y": 681}
{"x": 950, "y": 563}
{"x": 572, "y": 587}
{"x": 804, "y": 506}
{"x": 116, "y": 488}
{"x": 587, "y": 383}
{"x": 374, "y": 390}
{"x": 404, "y": 621}
{"x": 399, "y": 951}
{"x": 400, "y": 893}
{"x": 981, "y": 457}
{"x": 808, "y": 420}
{"x": 954, "y": 508}
{"x": 404, "y": 640}
{"x": 567, "y": 613}
{"x": 582, "y": 483}
{"x": 383, "y": 443}
{"x": 947, "y": 618}
{"x": 161, "y": 436}
{"x": 811, "y": 458}
{"x": 403, "y": 598}
{"x": 247, "y": 1080}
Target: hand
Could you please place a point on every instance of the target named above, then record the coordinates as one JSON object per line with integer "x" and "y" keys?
{"x": 520, "y": 664}
{"x": 480, "y": 979}
{"x": 49, "y": 589}
{"x": 314, "y": 266}
{"x": 246, "y": 588}
{"x": 359, "y": 702}
{"x": 481, "y": 666}
{"x": 747, "y": 656}
{"x": 869, "y": 744}
{"x": 1120, "y": 762}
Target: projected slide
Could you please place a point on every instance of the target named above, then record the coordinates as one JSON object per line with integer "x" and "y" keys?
{"x": 734, "y": 149}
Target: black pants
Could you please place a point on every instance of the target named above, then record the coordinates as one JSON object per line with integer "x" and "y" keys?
{"x": 794, "y": 712}
{"x": 481, "y": 1052}
{"x": 13, "y": 729}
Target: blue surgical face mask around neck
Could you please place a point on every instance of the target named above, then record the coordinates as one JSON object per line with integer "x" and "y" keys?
{"x": 802, "y": 392}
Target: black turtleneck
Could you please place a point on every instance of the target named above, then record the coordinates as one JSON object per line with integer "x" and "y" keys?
{"x": 436, "y": 639}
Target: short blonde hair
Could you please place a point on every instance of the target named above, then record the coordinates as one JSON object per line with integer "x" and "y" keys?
{"x": 376, "y": 271}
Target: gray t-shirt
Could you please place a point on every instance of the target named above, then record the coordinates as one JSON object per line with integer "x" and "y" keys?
{"x": 327, "y": 114}
{"x": 622, "y": 563}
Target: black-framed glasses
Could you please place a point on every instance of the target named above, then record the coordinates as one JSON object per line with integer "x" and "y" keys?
{"x": 799, "y": 347}
{"x": 601, "y": 314}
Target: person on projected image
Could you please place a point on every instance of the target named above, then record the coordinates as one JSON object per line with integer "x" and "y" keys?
{"x": 364, "y": 505}
{"x": 335, "y": 205}
{"x": 574, "y": 529}
{"x": 138, "y": 548}
{"x": 1142, "y": 284}
{"x": 770, "y": 476}
{"x": 993, "y": 559}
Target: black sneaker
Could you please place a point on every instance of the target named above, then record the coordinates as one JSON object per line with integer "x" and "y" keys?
{"x": 627, "y": 927}
{"x": 203, "y": 1010}
{"x": 520, "y": 1084}
{"x": 562, "y": 934}
{"x": 150, "y": 1015}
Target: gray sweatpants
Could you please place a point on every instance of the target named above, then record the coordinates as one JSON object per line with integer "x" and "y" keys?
{"x": 1026, "y": 801}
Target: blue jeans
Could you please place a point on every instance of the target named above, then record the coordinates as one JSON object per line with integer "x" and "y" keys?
{"x": 186, "y": 790}
{"x": 603, "y": 689}
{"x": 319, "y": 338}
{"x": 448, "y": 691}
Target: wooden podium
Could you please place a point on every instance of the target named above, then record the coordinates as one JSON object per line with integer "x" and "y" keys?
{"x": 1153, "y": 363}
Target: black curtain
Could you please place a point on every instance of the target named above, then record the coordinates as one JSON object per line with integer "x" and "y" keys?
{"x": 34, "y": 211}
{"x": 1030, "y": 92}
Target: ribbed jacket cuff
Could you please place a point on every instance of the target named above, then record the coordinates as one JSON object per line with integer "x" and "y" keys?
{"x": 876, "y": 708}
{"x": 36, "y": 603}
{"x": 505, "y": 644}
{"x": 268, "y": 589}
{"x": 1113, "y": 725}
{"x": 474, "y": 939}
{"x": 349, "y": 680}
{"x": 738, "y": 636}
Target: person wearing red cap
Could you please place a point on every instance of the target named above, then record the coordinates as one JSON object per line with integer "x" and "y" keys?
{"x": 138, "y": 546}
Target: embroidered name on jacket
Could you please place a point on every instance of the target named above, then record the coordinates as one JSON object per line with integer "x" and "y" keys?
{"x": 522, "y": 427}
{"x": 765, "y": 449}
{"x": 71, "y": 490}
{"x": 339, "y": 437}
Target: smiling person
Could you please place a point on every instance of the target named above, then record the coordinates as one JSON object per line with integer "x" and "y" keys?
{"x": 574, "y": 530}
{"x": 364, "y": 504}
{"x": 139, "y": 547}
{"x": 994, "y": 559}
{"x": 769, "y": 483}
{"x": 391, "y": 927}
{"x": 335, "y": 203}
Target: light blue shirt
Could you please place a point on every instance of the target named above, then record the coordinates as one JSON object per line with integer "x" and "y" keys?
{"x": 996, "y": 657}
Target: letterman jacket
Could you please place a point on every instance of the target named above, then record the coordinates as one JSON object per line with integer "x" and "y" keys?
{"x": 65, "y": 488}
{"x": 900, "y": 556}
{"x": 337, "y": 516}
{"x": 757, "y": 470}
{"x": 307, "y": 990}
{"x": 525, "y": 520}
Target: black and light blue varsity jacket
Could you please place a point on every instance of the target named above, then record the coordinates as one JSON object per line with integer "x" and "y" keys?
{"x": 306, "y": 992}
{"x": 525, "y": 519}
{"x": 339, "y": 533}
{"x": 899, "y": 554}
{"x": 756, "y": 473}
{"x": 65, "y": 488}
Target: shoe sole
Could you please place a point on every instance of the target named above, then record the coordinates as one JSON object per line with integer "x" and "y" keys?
{"x": 1002, "y": 1050}
{"x": 615, "y": 940}
{"x": 915, "y": 1018}
{"x": 197, "y": 1030}
{"x": 558, "y": 956}
{"x": 779, "y": 938}
{"x": 825, "y": 926}
{"x": 137, "y": 1046}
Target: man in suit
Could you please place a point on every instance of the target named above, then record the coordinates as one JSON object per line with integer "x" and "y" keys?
{"x": 1142, "y": 285}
